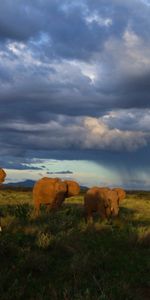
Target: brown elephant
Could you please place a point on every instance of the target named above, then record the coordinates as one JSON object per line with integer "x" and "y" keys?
{"x": 52, "y": 192}
{"x": 2, "y": 176}
{"x": 101, "y": 200}
{"x": 121, "y": 193}
{"x": 2, "y": 179}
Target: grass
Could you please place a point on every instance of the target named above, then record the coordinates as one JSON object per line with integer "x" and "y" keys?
{"x": 58, "y": 256}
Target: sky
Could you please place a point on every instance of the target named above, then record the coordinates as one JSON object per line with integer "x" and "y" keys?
{"x": 75, "y": 91}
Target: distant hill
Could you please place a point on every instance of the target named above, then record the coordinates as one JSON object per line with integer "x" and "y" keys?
{"x": 28, "y": 184}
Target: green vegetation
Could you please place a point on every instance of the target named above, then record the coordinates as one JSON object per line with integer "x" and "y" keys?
{"x": 58, "y": 256}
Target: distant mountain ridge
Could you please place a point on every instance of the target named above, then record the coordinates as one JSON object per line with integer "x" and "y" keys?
{"x": 27, "y": 184}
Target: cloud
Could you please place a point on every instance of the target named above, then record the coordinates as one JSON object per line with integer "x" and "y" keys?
{"x": 73, "y": 133}
{"x": 60, "y": 172}
{"x": 74, "y": 79}
{"x": 100, "y": 136}
{"x": 93, "y": 59}
{"x": 117, "y": 77}
{"x": 18, "y": 164}
{"x": 137, "y": 119}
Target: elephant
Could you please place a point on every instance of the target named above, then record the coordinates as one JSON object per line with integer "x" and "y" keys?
{"x": 2, "y": 179}
{"x": 52, "y": 192}
{"x": 121, "y": 193}
{"x": 101, "y": 200}
{"x": 2, "y": 176}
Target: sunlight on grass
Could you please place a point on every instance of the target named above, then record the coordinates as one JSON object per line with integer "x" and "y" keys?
{"x": 59, "y": 256}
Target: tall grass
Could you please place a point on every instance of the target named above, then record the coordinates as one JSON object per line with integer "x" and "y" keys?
{"x": 59, "y": 256}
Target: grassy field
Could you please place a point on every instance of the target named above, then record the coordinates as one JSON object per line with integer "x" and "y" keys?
{"x": 58, "y": 256}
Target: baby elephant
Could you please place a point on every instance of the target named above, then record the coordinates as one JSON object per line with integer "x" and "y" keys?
{"x": 101, "y": 200}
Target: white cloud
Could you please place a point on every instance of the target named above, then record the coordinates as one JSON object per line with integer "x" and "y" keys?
{"x": 95, "y": 17}
{"x": 100, "y": 136}
{"x": 130, "y": 55}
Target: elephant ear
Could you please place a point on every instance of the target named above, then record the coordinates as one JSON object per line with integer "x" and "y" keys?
{"x": 69, "y": 192}
{"x": 121, "y": 194}
{"x": 73, "y": 188}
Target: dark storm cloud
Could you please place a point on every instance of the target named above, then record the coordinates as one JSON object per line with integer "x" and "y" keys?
{"x": 19, "y": 20}
{"x": 64, "y": 61}
{"x": 64, "y": 30}
{"x": 67, "y": 30}
{"x": 72, "y": 29}
{"x": 75, "y": 133}
{"x": 138, "y": 120}
{"x": 17, "y": 163}
{"x": 126, "y": 163}
{"x": 136, "y": 90}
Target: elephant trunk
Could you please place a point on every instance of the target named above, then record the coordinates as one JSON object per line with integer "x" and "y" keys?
{"x": 114, "y": 212}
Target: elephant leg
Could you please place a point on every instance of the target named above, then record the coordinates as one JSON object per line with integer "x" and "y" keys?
{"x": 108, "y": 212}
{"x": 49, "y": 208}
{"x": 102, "y": 213}
{"x": 88, "y": 217}
{"x": 59, "y": 200}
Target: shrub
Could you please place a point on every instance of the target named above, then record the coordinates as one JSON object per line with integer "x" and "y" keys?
{"x": 22, "y": 212}
{"x": 44, "y": 240}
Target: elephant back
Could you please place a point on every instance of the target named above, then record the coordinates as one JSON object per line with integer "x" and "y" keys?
{"x": 44, "y": 186}
{"x": 96, "y": 192}
{"x": 49, "y": 191}
{"x": 91, "y": 200}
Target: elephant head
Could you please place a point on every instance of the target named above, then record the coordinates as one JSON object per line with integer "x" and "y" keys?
{"x": 2, "y": 175}
{"x": 101, "y": 200}
{"x": 73, "y": 188}
{"x": 60, "y": 188}
{"x": 111, "y": 203}
{"x": 96, "y": 200}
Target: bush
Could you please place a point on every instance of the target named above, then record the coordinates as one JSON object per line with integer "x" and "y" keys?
{"x": 23, "y": 212}
{"x": 44, "y": 240}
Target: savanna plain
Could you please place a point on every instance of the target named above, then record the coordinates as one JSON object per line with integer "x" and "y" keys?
{"x": 59, "y": 256}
